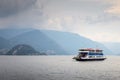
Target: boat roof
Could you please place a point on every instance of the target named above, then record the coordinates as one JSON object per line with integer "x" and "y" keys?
{"x": 90, "y": 49}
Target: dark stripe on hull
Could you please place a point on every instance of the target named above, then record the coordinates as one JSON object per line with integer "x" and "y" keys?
{"x": 91, "y": 59}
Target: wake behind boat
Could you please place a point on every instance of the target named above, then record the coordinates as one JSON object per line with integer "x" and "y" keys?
{"x": 90, "y": 54}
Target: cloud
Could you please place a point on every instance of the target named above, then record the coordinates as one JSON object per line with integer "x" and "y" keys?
{"x": 40, "y": 13}
{"x": 114, "y": 8}
{"x": 77, "y": 10}
{"x": 94, "y": 19}
{"x": 11, "y": 7}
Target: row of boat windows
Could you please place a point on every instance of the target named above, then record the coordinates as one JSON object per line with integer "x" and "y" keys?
{"x": 95, "y": 53}
{"x": 92, "y": 53}
{"x": 95, "y": 56}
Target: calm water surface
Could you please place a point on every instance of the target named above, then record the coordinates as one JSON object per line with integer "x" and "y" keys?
{"x": 58, "y": 68}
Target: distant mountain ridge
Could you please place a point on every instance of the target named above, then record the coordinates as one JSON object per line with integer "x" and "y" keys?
{"x": 12, "y": 32}
{"x": 53, "y": 42}
{"x": 39, "y": 41}
{"x": 113, "y": 46}
{"x": 72, "y": 42}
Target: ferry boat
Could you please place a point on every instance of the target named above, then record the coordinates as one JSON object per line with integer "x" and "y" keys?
{"x": 90, "y": 54}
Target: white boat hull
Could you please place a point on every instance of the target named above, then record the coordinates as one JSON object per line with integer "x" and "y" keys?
{"x": 89, "y": 59}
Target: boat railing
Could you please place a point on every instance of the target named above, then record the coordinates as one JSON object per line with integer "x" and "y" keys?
{"x": 90, "y": 50}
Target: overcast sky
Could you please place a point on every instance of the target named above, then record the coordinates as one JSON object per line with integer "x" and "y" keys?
{"x": 98, "y": 20}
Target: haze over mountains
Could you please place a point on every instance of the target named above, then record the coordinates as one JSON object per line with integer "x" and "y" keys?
{"x": 113, "y": 46}
{"x": 4, "y": 43}
{"x": 48, "y": 41}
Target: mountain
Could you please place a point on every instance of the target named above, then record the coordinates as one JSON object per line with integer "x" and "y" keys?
{"x": 4, "y": 43}
{"x": 3, "y": 51}
{"x": 49, "y": 41}
{"x": 12, "y": 32}
{"x": 71, "y": 42}
{"x": 56, "y": 42}
{"x": 113, "y": 46}
{"x": 23, "y": 49}
{"x": 39, "y": 41}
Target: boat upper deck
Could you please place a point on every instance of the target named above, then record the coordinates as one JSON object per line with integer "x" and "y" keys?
{"x": 91, "y": 50}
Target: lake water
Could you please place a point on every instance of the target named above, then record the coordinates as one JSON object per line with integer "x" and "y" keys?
{"x": 58, "y": 68}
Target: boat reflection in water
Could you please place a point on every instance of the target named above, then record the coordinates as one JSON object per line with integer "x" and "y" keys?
{"x": 89, "y": 54}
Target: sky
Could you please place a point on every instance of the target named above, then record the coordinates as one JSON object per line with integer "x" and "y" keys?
{"x": 98, "y": 20}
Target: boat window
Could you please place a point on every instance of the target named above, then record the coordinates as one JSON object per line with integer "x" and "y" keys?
{"x": 83, "y": 54}
{"x": 91, "y": 56}
{"x": 95, "y": 53}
